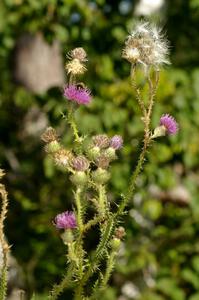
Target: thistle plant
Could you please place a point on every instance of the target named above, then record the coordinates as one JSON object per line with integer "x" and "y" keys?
{"x": 88, "y": 166}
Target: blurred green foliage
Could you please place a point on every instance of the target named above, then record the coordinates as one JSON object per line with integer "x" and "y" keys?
{"x": 160, "y": 254}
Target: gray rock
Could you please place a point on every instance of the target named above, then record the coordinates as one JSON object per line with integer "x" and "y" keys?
{"x": 38, "y": 65}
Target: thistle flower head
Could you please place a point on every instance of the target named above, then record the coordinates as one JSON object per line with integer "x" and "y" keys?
{"x": 49, "y": 135}
{"x": 146, "y": 45}
{"x": 78, "y": 53}
{"x": 101, "y": 141}
{"x": 63, "y": 157}
{"x": 65, "y": 220}
{"x": 120, "y": 232}
{"x": 102, "y": 162}
{"x": 169, "y": 123}
{"x": 116, "y": 142}
{"x": 75, "y": 67}
{"x": 80, "y": 163}
{"x": 77, "y": 94}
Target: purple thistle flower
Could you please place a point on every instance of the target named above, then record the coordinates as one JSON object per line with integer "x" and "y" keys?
{"x": 116, "y": 142}
{"x": 79, "y": 95}
{"x": 65, "y": 220}
{"x": 169, "y": 123}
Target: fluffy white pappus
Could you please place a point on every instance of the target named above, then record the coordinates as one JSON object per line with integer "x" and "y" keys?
{"x": 149, "y": 42}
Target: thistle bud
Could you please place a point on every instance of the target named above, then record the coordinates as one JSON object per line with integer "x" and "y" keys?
{"x": 101, "y": 141}
{"x": 79, "y": 178}
{"x": 100, "y": 176}
{"x": 78, "y": 53}
{"x": 80, "y": 163}
{"x": 110, "y": 153}
{"x": 120, "y": 232}
{"x": 159, "y": 131}
{"x": 103, "y": 161}
{"x": 49, "y": 135}
{"x": 93, "y": 152}
{"x": 67, "y": 236}
{"x": 116, "y": 142}
{"x": 115, "y": 244}
{"x": 52, "y": 147}
{"x": 63, "y": 157}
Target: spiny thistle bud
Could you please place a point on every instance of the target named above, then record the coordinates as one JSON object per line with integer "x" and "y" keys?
{"x": 110, "y": 153}
{"x": 116, "y": 142}
{"x": 103, "y": 161}
{"x": 49, "y": 135}
{"x": 67, "y": 237}
{"x": 80, "y": 163}
{"x": 78, "y": 53}
{"x": 63, "y": 157}
{"x": 120, "y": 232}
{"x": 79, "y": 178}
{"x": 146, "y": 45}
{"x": 93, "y": 152}
{"x": 159, "y": 131}
{"x": 115, "y": 244}
{"x": 100, "y": 176}
{"x": 101, "y": 141}
{"x": 52, "y": 147}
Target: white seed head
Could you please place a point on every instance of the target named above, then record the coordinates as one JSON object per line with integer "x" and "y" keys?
{"x": 146, "y": 45}
{"x": 75, "y": 67}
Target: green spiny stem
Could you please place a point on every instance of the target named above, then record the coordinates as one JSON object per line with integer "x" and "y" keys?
{"x": 3, "y": 283}
{"x": 3, "y": 242}
{"x": 79, "y": 209}
{"x": 133, "y": 179}
{"x": 99, "y": 253}
{"x": 109, "y": 268}
{"x": 79, "y": 251}
{"x": 93, "y": 222}
{"x": 147, "y": 140}
{"x": 137, "y": 90}
{"x": 66, "y": 282}
{"x": 104, "y": 239}
{"x": 73, "y": 125}
{"x": 102, "y": 200}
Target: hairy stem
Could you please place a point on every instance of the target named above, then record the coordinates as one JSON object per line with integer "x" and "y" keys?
{"x": 3, "y": 243}
{"x": 79, "y": 251}
{"x": 99, "y": 253}
{"x": 79, "y": 209}
{"x": 102, "y": 200}
{"x": 59, "y": 288}
{"x": 72, "y": 123}
{"x": 147, "y": 140}
{"x": 109, "y": 268}
{"x": 137, "y": 90}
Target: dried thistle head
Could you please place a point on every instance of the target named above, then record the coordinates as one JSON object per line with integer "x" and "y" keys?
{"x": 75, "y": 67}
{"x": 146, "y": 45}
{"x": 80, "y": 163}
{"x": 63, "y": 157}
{"x": 101, "y": 141}
{"x": 78, "y": 53}
{"x": 49, "y": 135}
{"x": 103, "y": 162}
{"x": 120, "y": 232}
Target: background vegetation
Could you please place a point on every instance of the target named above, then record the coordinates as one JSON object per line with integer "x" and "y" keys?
{"x": 159, "y": 259}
